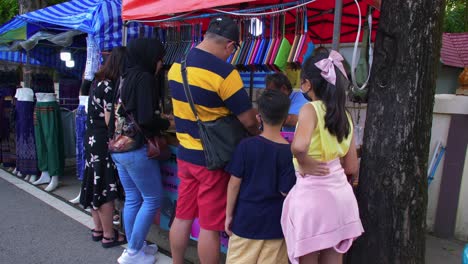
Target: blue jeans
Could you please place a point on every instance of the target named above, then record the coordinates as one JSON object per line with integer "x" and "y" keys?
{"x": 141, "y": 180}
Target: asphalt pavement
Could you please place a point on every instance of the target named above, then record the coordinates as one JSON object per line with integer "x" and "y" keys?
{"x": 32, "y": 231}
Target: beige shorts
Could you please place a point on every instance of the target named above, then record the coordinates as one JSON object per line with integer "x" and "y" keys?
{"x": 252, "y": 251}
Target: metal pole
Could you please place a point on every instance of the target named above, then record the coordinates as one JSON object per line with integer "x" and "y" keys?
{"x": 337, "y": 24}
{"x": 124, "y": 34}
{"x": 27, "y": 72}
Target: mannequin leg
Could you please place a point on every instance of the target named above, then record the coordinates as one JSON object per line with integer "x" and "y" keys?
{"x": 33, "y": 178}
{"x": 53, "y": 184}
{"x": 76, "y": 200}
{"x": 45, "y": 178}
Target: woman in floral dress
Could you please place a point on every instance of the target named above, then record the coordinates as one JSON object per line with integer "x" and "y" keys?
{"x": 100, "y": 185}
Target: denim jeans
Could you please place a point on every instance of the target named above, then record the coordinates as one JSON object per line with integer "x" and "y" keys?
{"x": 141, "y": 180}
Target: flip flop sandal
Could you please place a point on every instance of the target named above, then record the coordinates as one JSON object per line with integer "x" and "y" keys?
{"x": 96, "y": 238}
{"x": 114, "y": 241}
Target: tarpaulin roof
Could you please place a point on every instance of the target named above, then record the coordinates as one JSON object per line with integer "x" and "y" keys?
{"x": 99, "y": 18}
{"x": 49, "y": 57}
{"x": 454, "y": 50}
{"x": 320, "y": 13}
{"x": 143, "y": 9}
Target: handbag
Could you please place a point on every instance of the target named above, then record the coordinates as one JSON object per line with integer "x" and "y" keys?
{"x": 157, "y": 147}
{"x": 219, "y": 137}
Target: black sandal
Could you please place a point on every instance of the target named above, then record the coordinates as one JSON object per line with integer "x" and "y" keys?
{"x": 96, "y": 238}
{"x": 114, "y": 241}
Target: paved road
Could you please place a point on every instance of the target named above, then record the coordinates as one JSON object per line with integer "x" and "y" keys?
{"x": 31, "y": 231}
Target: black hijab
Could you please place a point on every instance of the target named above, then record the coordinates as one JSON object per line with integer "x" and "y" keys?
{"x": 139, "y": 78}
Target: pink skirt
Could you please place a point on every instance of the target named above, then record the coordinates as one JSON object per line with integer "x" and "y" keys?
{"x": 320, "y": 212}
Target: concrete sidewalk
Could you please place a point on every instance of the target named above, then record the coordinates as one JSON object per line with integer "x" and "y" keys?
{"x": 438, "y": 251}
{"x": 36, "y": 227}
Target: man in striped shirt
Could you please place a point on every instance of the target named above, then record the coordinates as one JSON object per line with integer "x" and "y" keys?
{"x": 217, "y": 91}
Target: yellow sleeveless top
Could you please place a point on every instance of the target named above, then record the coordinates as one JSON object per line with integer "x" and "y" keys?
{"x": 323, "y": 145}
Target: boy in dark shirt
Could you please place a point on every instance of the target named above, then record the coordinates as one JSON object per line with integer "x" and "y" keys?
{"x": 262, "y": 173}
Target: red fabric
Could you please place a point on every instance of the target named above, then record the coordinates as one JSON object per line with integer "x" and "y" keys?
{"x": 144, "y": 9}
{"x": 454, "y": 50}
{"x": 320, "y": 14}
{"x": 202, "y": 194}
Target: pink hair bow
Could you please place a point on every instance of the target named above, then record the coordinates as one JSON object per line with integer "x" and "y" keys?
{"x": 328, "y": 69}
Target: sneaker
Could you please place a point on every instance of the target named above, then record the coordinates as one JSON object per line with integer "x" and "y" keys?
{"x": 151, "y": 249}
{"x": 138, "y": 258}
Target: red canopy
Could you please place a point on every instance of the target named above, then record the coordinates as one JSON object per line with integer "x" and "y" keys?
{"x": 320, "y": 14}
{"x": 148, "y": 9}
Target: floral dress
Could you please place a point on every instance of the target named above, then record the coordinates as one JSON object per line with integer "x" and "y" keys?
{"x": 100, "y": 181}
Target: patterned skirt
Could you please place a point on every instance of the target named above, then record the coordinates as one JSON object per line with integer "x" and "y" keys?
{"x": 26, "y": 161}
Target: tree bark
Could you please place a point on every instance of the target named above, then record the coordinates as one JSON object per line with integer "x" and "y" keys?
{"x": 392, "y": 192}
{"x": 26, "y": 6}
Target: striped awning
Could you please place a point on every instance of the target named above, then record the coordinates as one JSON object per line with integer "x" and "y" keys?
{"x": 101, "y": 19}
{"x": 454, "y": 50}
{"x": 48, "y": 57}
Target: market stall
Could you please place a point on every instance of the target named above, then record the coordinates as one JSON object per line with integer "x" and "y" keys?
{"x": 293, "y": 26}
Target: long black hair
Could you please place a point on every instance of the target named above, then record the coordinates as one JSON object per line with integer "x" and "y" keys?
{"x": 114, "y": 65}
{"x": 333, "y": 96}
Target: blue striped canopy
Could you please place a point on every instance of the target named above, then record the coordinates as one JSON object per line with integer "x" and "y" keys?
{"x": 49, "y": 57}
{"x": 101, "y": 19}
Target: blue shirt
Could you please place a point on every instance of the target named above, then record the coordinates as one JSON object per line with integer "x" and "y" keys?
{"x": 297, "y": 101}
{"x": 266, "y": 170}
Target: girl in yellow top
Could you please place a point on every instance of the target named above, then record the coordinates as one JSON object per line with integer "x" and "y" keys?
{"x": 320, "y": 214}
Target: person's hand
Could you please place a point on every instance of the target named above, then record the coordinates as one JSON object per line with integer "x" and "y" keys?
{"x": 227, "y": 225}
{"x": 170, "y": 118}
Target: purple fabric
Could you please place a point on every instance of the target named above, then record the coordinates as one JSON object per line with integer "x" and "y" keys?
{"x": 26, "y": 161}
{"x": 7, "y": 140}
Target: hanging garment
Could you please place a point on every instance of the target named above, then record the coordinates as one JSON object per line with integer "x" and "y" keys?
{"x": 7, "y": 134}
{"x": 80, "y": 123}
{"x": 26, "y": 160}
{"x": 69, "y": 133}
{"x": 49, "y": 137}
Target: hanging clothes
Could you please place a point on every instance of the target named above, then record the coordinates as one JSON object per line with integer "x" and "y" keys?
{"x": 7, "y": 128}
{"x": 26, "y": 159}
{"x": 49, "y": 135}
{"x": 80, "y": 123}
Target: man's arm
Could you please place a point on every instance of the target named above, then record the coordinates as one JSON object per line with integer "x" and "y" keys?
{"x": 291, "y": 120}
{"x": 249, "y": 121}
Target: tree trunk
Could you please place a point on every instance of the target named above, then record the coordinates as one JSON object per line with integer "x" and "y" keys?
{"x": 26, "y": 6}
{"x": 392, "y": 192}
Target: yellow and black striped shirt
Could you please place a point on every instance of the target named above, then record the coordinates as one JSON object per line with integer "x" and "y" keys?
{"x": 217, "y": 90}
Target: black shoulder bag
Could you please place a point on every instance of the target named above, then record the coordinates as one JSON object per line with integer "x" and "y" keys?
{"x": 219, "y": 137}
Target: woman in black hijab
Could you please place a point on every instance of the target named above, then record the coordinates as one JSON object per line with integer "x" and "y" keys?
{"x": 138, "y": 100}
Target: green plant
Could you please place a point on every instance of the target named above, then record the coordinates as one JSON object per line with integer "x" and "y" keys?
{"x": 456, "y": 16}
{"x": 8, "y": 9}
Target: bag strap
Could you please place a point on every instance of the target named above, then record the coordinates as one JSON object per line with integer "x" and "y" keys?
{"x": 188, "y": 94}
{"x": 128, "y": 114}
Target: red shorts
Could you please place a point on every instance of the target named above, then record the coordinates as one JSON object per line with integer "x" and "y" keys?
{"x": 202, "y": 194}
